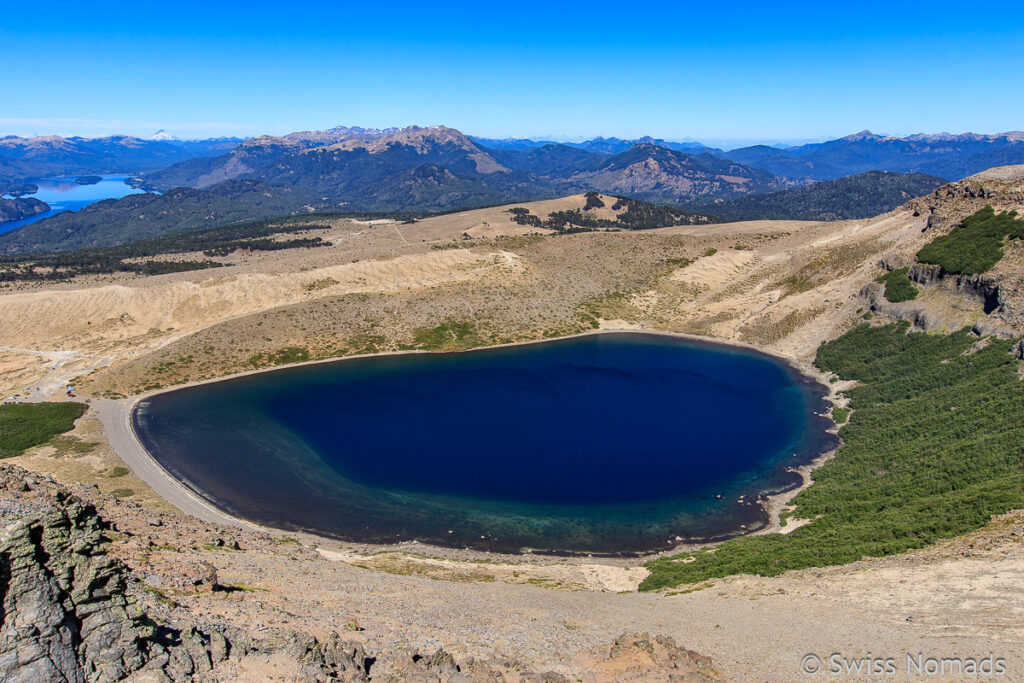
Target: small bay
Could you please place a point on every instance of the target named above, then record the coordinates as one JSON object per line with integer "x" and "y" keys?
{"x": 64, "y": 194}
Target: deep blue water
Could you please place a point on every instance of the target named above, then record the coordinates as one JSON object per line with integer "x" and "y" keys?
{"x": 64, "y": 194}
{"x": 611, "y": 443}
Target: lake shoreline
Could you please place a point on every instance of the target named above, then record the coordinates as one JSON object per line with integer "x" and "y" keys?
{"x": 180, "y": 493}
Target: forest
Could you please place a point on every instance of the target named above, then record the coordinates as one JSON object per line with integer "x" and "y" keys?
{"x": 633, "y": 215}
{"x": 218, "y": 241}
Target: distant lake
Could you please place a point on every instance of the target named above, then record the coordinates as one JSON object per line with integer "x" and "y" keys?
{"x": 610, "y": 443}
{"x": 64, "y": 194}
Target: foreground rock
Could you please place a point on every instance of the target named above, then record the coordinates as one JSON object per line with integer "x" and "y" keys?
{"x": 68, "y": 614}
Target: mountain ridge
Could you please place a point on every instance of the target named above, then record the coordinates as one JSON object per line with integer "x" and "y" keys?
{"x": 53, "y": 155}
{"x": 348, "y": 169}
{"x": 942, "y": 154}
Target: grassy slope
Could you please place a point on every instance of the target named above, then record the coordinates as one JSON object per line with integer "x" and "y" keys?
{"x": 25, "y": 425}
{"x": 934, "y": 447}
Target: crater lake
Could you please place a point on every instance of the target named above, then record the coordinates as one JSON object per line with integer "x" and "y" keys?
{"x": 612, "y": 443}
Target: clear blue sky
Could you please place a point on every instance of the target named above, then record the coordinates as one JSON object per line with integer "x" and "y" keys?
{"x": 709, "y": 71}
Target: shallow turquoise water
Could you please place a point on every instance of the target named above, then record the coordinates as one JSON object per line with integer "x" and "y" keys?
{"x": 612, "y": 443}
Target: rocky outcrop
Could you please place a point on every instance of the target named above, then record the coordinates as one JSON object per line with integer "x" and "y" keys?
{"x": 643, "y": 657}
{"x": 981, "y": 288}
{"x": 917, "y": 315}
{"x": 65, "y": 615}
{"x": 924, "y": 274}
{"x": 1001, "y": 187}
{"x": 925, "y": 317}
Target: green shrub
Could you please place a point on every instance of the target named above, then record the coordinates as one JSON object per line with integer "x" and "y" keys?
{"x": 898, "y": 286}
{"x": 594, "y": 201}
{"x": 635, "y": 215}
{"x": 289, "y": 354}
{"x": 448, "y": 336}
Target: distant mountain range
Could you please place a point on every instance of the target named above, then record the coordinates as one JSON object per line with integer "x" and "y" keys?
{"x": 950, "y": 156}
{"x": 440, "y": 168}
{"x": 599, "y": 144}
{"x": 943, "y": 154}
{"x": 412, "y": 168}
{"x": 52, "y": 155}
{"x": 380, "y": 169}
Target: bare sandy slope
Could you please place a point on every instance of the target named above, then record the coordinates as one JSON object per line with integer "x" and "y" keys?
{"x": 496, "y": 220}
{"x": 156, "y": 307}
{"x": 56, "y": 334}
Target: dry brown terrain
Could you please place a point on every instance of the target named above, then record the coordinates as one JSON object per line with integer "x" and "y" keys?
{"x": 472, "y": 279}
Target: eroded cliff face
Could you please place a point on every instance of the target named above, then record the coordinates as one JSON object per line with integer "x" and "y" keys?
{"x": 68, "y": 614}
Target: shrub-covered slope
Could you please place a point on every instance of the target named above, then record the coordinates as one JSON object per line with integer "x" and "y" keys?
{"x": 934, "y": 447}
